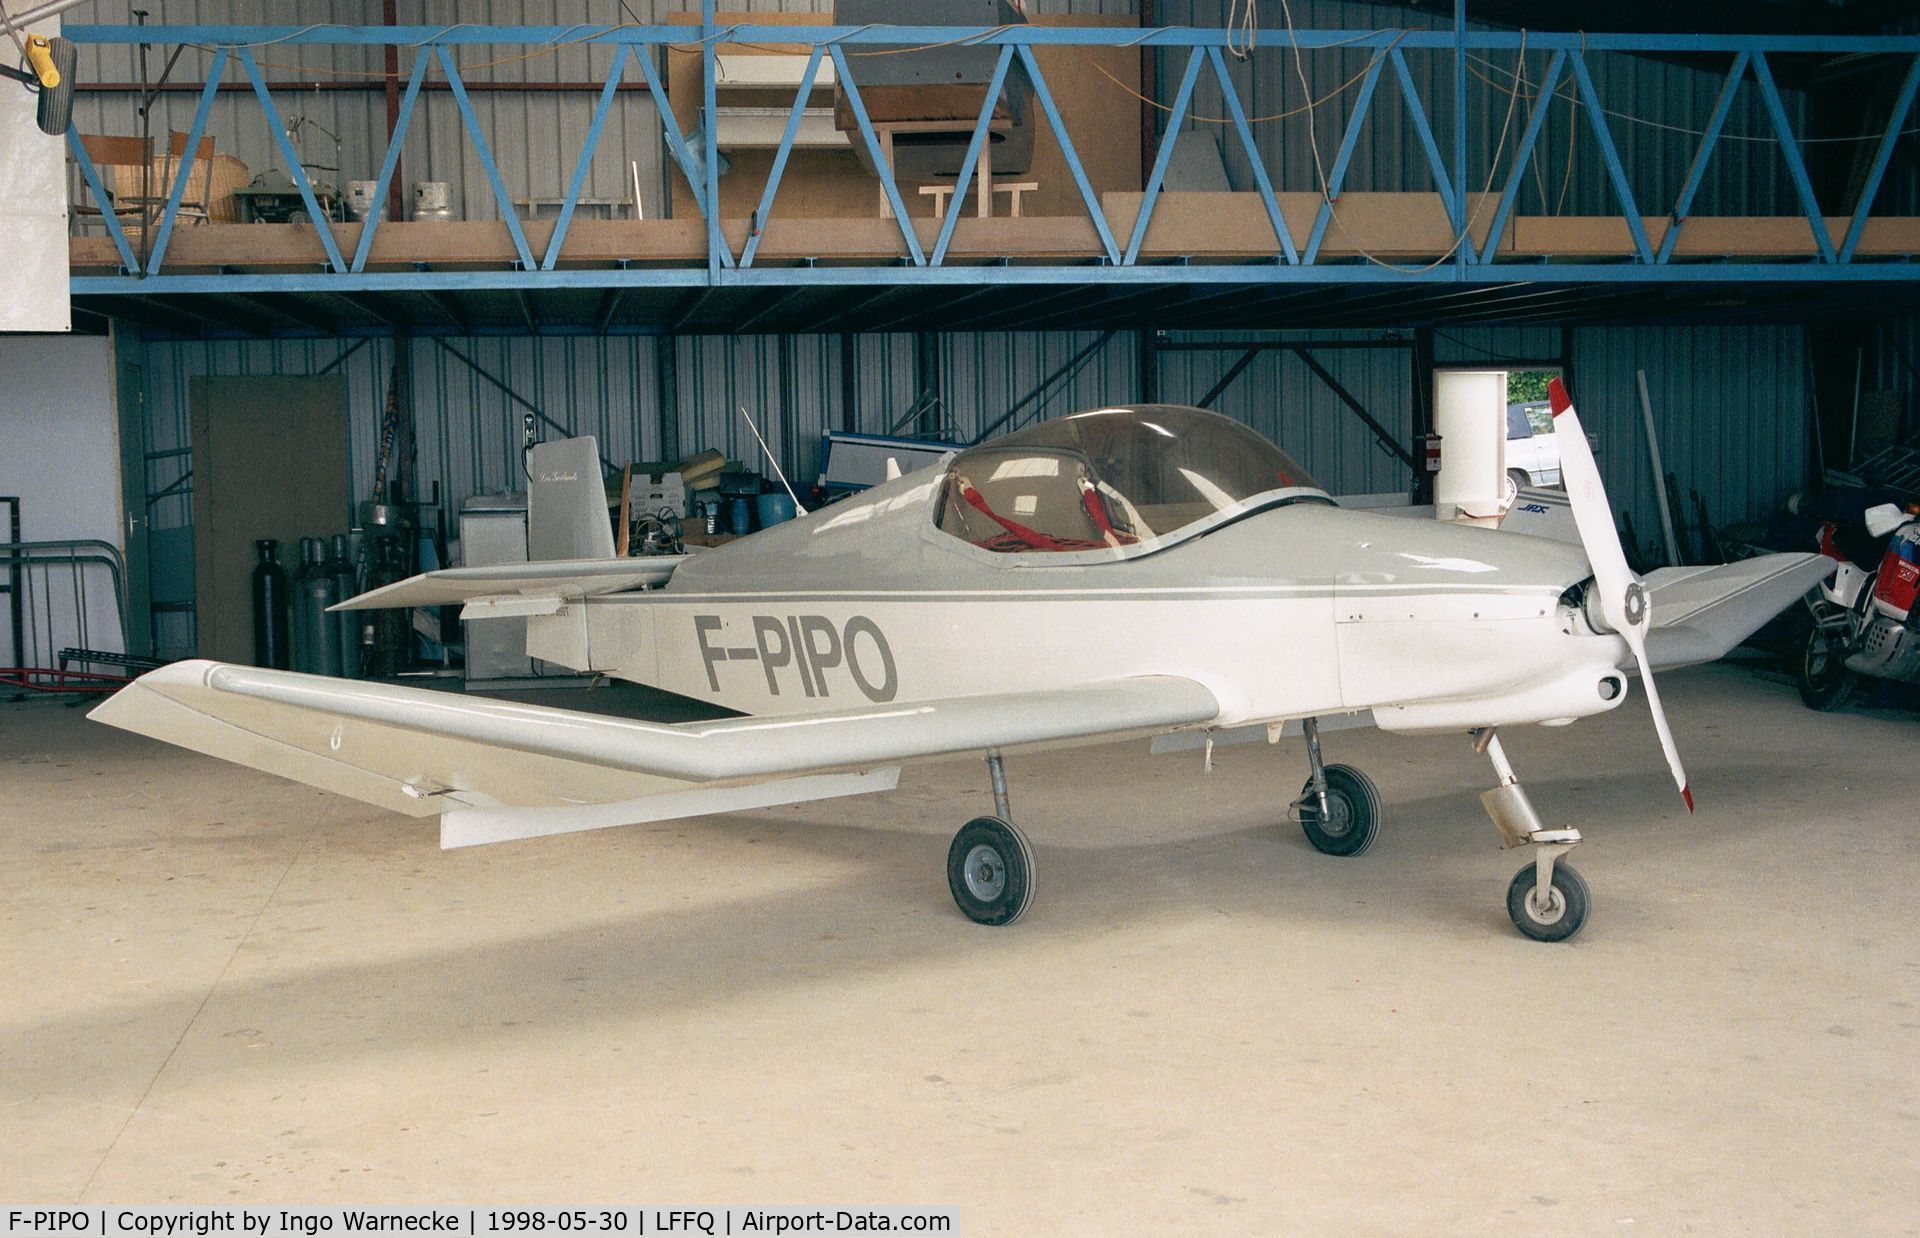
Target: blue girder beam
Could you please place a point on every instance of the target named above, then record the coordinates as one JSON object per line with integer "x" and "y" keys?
{"x": 882, "y": 277}
{"x": 1121, "y": 260}
{"x": 987, "y": 36}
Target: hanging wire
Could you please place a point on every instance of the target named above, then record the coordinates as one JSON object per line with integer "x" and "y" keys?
{"x": 1465, "y": 229}
{"x": 1300, "y": 70}
{"x": 1331, "y": 95}
{"x": 1243, "y": 16}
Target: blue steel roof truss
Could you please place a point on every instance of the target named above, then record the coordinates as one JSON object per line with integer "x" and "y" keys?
{"x": 1114, "y": 263}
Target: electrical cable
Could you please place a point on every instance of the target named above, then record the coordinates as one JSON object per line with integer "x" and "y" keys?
{"x": 1335, "y": 93}
{"x": 1248, "y": 26}
{"x": 1300, "y": 70}
{"x": 1465, "y": 229}
{"x": 1490, "y": 355}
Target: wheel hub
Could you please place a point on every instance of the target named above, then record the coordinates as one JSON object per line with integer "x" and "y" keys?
{"x": 1556, "y": 906}
{"x": 985, "y": 873}
{"x": 1339, "y": 817}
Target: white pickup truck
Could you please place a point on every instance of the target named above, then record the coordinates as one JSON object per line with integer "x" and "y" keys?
{"x": 1533, "y": 454}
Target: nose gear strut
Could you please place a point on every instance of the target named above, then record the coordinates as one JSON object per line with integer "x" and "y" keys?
{"x": 1547, "y": 899}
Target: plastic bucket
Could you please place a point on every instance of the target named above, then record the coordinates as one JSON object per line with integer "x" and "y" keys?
{"x": 773, "y": 508}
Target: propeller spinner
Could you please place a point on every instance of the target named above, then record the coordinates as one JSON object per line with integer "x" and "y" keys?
{"x": 1623, "y": 595}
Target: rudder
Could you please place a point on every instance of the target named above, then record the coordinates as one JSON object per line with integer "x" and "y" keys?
{"x": 567, "y": 502}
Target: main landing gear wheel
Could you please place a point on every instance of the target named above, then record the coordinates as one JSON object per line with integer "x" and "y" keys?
{"x": 990, "y": 871}
{"x": 1353, "y": 812}
{"x": 1556, "y": 917}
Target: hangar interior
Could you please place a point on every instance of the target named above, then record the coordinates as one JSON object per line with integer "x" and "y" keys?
{"x": 741, "y": 245}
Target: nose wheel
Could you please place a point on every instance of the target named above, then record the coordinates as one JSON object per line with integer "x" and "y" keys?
{"x": 1553, "y": 914}
{"x": 1547, "y": 900}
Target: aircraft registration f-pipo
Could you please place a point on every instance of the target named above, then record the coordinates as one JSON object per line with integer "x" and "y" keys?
{"x": 1135, "y": 571}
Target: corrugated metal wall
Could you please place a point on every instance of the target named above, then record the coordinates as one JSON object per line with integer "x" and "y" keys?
{"x": 1657, "y": 110}
{"x": 1731, "y": 403}
{"x": 1279, "y": 396}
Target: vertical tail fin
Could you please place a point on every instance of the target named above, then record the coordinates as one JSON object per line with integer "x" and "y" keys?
{"x": 567, "y": 502}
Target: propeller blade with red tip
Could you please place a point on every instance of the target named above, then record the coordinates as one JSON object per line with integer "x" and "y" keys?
{"x": 1623, "y": 596}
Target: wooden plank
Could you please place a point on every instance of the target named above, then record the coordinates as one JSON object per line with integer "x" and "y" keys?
{"x": 1392, "y": 226}
{"x": 485, "y": 245}
{"x": 1224, "y": 227}
{"x": 1709, "y": 236}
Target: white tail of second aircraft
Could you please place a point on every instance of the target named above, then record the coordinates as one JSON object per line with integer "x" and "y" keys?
{"x": 567, "y": 502}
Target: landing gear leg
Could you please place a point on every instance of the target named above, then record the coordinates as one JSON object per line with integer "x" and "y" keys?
{"x": 1547, "y": 899}
{"x": 1310, "y": 727}
{"x": 990, "y": 862}
{"x": 1339, "y": 808}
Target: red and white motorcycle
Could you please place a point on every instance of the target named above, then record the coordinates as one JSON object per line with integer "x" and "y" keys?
{"x": 1865, "y": 621}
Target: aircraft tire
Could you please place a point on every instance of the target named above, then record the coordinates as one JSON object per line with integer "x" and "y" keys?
{"x": 1554, "y": 923}
{"x": 990, "y": 871}
{"x": 1353, "y": 805}
{"x": 54, "y": 108}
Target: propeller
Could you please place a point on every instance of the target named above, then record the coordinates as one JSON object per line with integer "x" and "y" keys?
{"x": 1623, "y": 596}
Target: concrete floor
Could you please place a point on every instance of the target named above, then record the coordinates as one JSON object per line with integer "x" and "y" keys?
{"x": 225, "y": 988}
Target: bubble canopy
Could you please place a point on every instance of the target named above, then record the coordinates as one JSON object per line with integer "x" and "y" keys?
{"x": 1123, "y": 480}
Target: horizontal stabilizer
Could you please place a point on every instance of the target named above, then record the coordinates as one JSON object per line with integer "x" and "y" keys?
{"x": 1700, "y": 613}
{"x": 557, "y": 581}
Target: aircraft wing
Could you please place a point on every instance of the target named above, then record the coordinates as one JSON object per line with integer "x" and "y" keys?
{"x": 1700, "y": 613}
{"x": 421, "y": 752}
{"x": 519, "y": 588}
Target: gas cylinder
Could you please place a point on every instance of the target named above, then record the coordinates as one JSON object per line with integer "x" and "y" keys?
{"x": 316, "y": 649}
{"x": 269, "y": 606}
{"x": 346, "y": 625}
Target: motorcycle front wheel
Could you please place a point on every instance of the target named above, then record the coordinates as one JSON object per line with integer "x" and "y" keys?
{"x": 1824, "y": 681}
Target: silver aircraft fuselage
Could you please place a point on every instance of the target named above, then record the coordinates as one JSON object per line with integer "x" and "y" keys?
{"x": 1298, "y": 609}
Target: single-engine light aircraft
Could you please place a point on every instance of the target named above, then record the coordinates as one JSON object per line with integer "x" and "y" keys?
{"x": 1134, "y": 571}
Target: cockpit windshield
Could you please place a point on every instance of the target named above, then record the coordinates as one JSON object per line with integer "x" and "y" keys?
{"x": 1113, "y": 479}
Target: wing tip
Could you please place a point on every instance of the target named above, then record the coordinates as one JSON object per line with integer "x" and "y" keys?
{"x": 1686, "y": 793}
{"x": 1557, "y": 395}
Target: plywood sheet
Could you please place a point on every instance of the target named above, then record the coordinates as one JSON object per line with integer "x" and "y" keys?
{"x": 1709, "y": 236}
{"x": 269, "y": 460}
